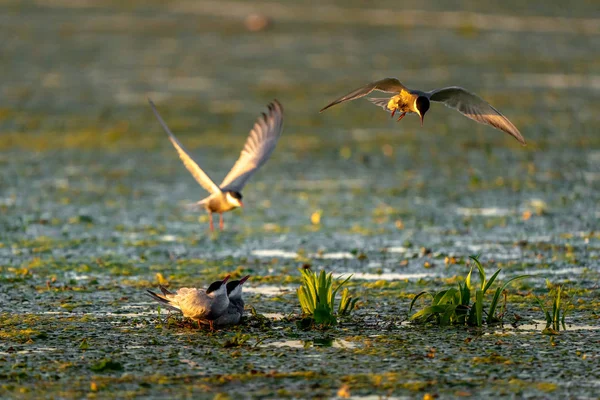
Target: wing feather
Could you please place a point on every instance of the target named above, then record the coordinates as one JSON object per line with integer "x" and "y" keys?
{"x": 194, "y": 303}
{"x": 381, "y": 102}
{"x": 258, "y": 148}
{"x": 475, "y": 108}
{"x": 197, "y": 172}
{"x": 387, "y": 85}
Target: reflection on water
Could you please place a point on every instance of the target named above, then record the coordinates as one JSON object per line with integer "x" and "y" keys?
{"x": 391, "y": 276}
{"x": 168, "y": 238}
{"x": 275, "y": 316}
{"x": 485, "y": 212}
{"x": 538, "y": 326}
{"x": 276, "y": 253}
{"x": 397, "y": 249}
{"x": 31, "y": 351}
{"x": 320, "y": 342}
{"x": 269, "y": 290}
{"x": 561, "y": 271}
{"x": 334, "y": 256}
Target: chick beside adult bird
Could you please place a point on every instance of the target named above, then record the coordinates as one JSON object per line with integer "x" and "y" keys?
{"x": 407, "y": 101}
{"x": 235, "y": 311}
{"x": 258, "y": 148}
{"x": 197, "y": 304}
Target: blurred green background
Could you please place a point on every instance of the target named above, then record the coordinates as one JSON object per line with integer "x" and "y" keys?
{"x": 91, "y": 190}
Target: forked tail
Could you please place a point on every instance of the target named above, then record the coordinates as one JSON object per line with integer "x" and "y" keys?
{"x": 197, "y": 206}
{"x": 162, "y": 299}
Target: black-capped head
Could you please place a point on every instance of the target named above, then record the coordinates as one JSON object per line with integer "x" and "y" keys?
{"x": 234, "y": 287}
{"x": 216, "y": 285}
{"x": 422, "y": 105}
{"x": 234, "y": 198}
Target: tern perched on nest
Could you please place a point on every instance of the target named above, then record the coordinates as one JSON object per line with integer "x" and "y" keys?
{"x": 235, "y": 311}
{"x": 197, "y": 304}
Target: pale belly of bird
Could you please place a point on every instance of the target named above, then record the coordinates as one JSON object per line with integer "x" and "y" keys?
{"x": 219, "y": 204}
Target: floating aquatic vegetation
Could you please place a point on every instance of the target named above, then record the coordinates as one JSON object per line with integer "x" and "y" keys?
{"x": 453, "y": 306}
{"x": 317, "y": 297}
{"x": 554, "y": 314}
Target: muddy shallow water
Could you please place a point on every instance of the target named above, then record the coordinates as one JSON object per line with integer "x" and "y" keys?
{"x": 92, "y": 196}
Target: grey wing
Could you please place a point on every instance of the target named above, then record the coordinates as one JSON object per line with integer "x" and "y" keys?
{"x": 199, "y": 175}
{"x": 475, "y": 108}
{"x": 258, "y": 148}
{"x": 388, "y": 85}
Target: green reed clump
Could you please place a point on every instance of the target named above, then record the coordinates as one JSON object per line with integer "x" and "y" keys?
{"x": 317, "y": 297}
{"x": 555, "y": 314}
{"x": 453, "y": 306}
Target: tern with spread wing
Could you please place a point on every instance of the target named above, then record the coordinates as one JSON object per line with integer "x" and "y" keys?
{"x": 406, "y": 101}
{"x": 258, "y": 148}
{"x": 197, "y": 304}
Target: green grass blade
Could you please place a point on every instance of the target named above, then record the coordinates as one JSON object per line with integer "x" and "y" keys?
{"x": 344, "y": 302}
{"x": 491, "y": 318}
{"x": 304, "y": 302}
{"x": 511, "y": 280}
{"x": 479, "y": 307}
{"x": 339, "y": 286}
{"x": 498, "y": 293}
{"x": 546, "y": 313}
{"x": 321, "y": 289}
{"x": 468, "y": 280}
{"x": 427, "y": 312}
{"x": 492, "y": 279}
{"x": 412, "y": 303}
{"x": 480, "y": 269}
{"x": 556, "y": 309}
{"x": 438, "y": 296}
{"x": 449, "y": 297}
{"x": 465, "y": 294}
{"x": 352, "y": 305}
{"x": 446, "y": 317}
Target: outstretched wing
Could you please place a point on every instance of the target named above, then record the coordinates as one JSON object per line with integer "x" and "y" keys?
{"x": 200, "y": 176}
{"x": 258, "y": 148}
{"x": 474, "y": 107}
{"x": 388, "y": 85}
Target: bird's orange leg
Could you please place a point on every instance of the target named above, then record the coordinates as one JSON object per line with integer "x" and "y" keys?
{"x": 212, "y": 226}
{"x": 401, "y": 116}
{"x": 393, "y": 112}
{"x": 221, "y": 224}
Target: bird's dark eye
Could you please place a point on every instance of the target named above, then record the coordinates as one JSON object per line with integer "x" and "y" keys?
{"x": 237, "y": 195}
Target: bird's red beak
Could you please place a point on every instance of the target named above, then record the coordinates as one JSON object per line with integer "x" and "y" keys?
{"x": 226, "y": 279}
{"x": 241, "y": 204}
{"x": 422, "y": 119}
{"x": 244, "y": 279}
